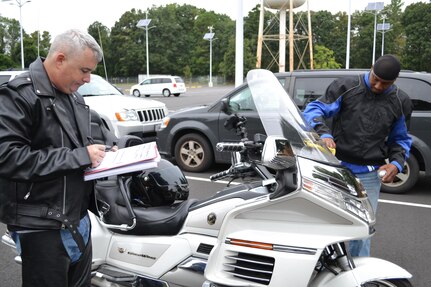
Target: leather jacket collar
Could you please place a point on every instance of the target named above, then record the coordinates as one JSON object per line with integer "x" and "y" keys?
{"x": 41, "y": 83}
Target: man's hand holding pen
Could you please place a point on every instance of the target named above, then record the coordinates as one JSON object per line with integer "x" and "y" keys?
{"x": 97, "y": 152}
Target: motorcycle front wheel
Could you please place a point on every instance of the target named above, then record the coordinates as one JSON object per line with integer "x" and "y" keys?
{"x": 388, "y": 283}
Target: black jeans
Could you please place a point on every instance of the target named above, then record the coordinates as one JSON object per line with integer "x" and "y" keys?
{"x": 45, "y": 262}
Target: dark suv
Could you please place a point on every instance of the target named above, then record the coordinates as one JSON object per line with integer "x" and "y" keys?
{"x": 189, "y": 136}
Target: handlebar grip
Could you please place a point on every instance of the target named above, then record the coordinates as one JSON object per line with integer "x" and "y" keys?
{"x": 219, "y": 175}
{"x": 230, "y": 147}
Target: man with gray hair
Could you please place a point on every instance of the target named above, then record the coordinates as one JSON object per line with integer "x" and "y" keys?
{"x": 45, "y": 147}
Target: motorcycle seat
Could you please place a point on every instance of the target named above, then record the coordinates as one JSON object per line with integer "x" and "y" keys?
{"x": 153, "y": 220}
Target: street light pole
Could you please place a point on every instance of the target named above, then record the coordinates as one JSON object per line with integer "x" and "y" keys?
{"x": 20, "y": 3}
{"x": 210, "y": 84}
{"x": 209, "y": 36}
{"x": 375, "y": 7}
{"x": 374, "y": 39}
{"x": 383, "y": 28}
{"x": 146, "y": 46}
{"x": 143, "y": 24}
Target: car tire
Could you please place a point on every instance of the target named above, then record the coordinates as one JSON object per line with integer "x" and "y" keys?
{"x": 193, "y": 153}
{"x": 136, "y": 93}
{"x": 147, "y": 96}
{"x": 176, "y": 95}
{"x": 405, "y": 180}
{"x": 166, "y": 93}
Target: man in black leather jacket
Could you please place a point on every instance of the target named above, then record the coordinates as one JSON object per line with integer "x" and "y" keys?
{"x": 45, "y": 146}
{"x": 369, "y": 126}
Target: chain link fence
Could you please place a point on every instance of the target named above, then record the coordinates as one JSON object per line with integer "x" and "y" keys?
{"x": 190, "y": 82}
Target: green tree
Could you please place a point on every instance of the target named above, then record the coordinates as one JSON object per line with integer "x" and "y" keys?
{"x": 324, "y": 58}
{"x": 127, "y": 46}
{"x": 101, "y": 34}
{"x": 10, "y": 44}
{"x": 394, "y": 38}
{"x": 361, "y": 46}
{"x": 417, "y": 24}
{"x": 323, "y": 25}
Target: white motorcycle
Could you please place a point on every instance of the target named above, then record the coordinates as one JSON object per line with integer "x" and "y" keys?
{"x": 288, "y": 226}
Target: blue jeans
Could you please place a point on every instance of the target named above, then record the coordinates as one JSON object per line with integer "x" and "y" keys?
{"x": 69, "y": 243}
{"x": 372, "y": 183}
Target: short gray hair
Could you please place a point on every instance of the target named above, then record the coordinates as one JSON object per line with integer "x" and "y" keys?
{"x": 75, "y": 40}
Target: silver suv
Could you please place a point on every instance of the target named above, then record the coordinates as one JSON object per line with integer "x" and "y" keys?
{"x": 122, "y": 114}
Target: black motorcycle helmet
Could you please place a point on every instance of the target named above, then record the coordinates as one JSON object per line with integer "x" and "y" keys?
{"x": 159, "y": 186}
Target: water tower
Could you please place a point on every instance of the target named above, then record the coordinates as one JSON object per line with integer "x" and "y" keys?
{"x": 281, "y": 7}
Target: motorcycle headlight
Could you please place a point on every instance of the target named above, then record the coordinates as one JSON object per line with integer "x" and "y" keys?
{"x": 360, "y": 207}
{"x": 129, "y": 115}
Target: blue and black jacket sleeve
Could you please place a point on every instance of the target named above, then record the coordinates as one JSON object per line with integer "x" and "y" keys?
{"x": 399, "y": 141}
{"x": 325, "y": 107}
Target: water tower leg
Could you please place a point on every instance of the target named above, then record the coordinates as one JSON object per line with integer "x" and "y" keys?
{"x": 310, "y": 37}
{"x": 260, "y": 37}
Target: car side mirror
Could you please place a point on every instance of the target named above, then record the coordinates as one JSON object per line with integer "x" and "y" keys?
{"x": 228, "y": 107}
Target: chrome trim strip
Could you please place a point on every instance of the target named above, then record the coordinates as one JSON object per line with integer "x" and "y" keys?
{"x": 256, "y": 270}
{"x": 295, "y": 250}
{"x": 248, "y": 277}
{"x": 285, "y": 248}
{"x": 250, "y": 261}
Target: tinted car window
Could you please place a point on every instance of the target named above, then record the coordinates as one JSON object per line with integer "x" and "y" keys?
{"x": 179, "y": 80}
{"x": 166, "y": 80}
{"x": 4, "y": 79}
{"x": 418, "y": 91}
{"x": 98, "y": 87}
{"x": 243, "y": 100}
{"x": 308, "y": 89}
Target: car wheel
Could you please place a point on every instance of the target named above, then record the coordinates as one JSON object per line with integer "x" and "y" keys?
{"x": 193, "y": 153}
{"x": 147, "y": 96}
{"x": 136, "y": 93}
{"x": 404, "y": 180}
{"x": 166, "y": 93}
{"x": 176, "y": 95}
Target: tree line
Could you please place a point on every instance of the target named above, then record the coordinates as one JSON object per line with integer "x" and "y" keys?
{"x": 176, "y": 45}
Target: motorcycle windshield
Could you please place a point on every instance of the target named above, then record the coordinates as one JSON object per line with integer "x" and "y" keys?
{"x": 281, "y": 117}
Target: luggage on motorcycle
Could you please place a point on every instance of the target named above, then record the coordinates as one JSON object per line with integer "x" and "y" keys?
{"x": 131, "y": 206}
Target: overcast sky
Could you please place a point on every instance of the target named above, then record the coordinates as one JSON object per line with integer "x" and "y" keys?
{"x": 57, "y": 16}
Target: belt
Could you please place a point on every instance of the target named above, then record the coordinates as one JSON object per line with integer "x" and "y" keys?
{"x": 45, "y": 212}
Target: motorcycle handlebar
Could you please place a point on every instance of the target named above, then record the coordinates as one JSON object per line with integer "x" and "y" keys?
{"x": 220, "y": 175}
{"x": 230, "y": 147}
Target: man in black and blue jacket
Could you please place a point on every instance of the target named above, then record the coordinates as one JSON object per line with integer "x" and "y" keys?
{"x": 369, "y": 115}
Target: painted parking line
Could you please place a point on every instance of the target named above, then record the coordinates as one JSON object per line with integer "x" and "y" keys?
{"x": 405, "y": 203}
{"x": 380, "y": 200}
{"x": 209, "y": 180}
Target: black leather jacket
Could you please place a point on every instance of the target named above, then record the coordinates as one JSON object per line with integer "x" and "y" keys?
{"x": 42, "y": 155}
{"x": 367, "y": 128}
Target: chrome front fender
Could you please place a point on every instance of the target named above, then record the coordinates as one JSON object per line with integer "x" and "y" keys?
{"x": 367, "y": 269}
